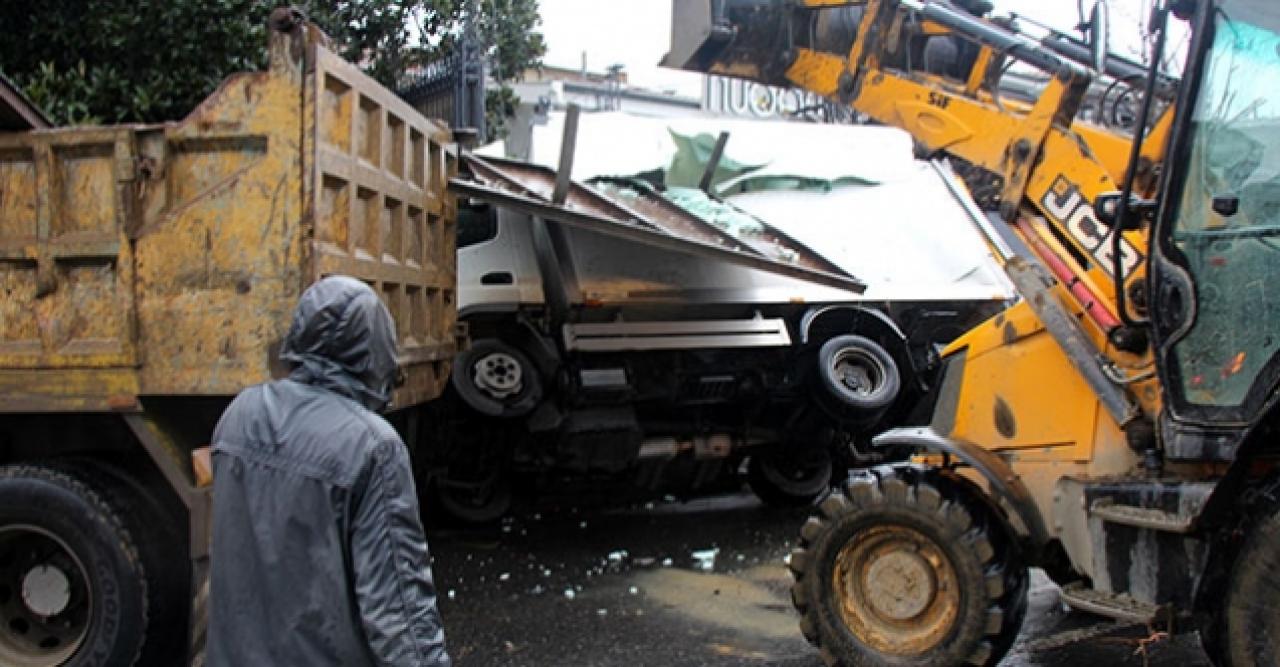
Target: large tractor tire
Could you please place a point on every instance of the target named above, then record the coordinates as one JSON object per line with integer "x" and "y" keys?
{"x": 906, "y": 566}
{"x": 1247, "y": 632}
{"x": 73, "y": 588}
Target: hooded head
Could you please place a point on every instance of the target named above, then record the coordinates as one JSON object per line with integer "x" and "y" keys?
{"x": 343, "y": 339}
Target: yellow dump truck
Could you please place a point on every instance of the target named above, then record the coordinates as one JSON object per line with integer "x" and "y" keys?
{"x": 147, "y": 274}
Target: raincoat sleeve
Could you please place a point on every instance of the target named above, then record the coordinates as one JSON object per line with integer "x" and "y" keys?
{"x": 392, "y": 572}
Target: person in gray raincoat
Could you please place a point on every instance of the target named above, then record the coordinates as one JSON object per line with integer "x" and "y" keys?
{"x": 319, "y": 556}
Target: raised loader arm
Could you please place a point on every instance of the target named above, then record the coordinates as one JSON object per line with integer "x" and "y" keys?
{"x": 932, "y": 69}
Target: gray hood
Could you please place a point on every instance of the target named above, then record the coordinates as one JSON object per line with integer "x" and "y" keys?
{"x": 343, "y": 339}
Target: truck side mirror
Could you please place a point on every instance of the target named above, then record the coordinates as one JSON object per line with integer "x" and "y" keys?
{"x": 1106, "y": 208}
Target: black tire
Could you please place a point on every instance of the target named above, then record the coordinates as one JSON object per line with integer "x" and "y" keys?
{"x": 781, "y": 481}
{"x": 473, "y": 503}
{"x": 52, "y": 524}
{"x": 858, "y": 375}
{"x": 871, "y": 544}
{"x": 1248, "y": 629}
{"x": 160, "y": 535}
{"x": 496, "y": 379}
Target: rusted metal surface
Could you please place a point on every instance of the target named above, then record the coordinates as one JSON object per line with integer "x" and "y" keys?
{"x": 897, "y": 590}
{"x": 648, "y": 219}
{"x": 166, "y": 259}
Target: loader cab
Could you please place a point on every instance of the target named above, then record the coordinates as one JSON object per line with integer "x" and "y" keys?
{"x": 1215, "y": 267}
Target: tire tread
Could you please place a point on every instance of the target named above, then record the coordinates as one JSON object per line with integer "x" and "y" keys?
{"x": 918, "y": 488}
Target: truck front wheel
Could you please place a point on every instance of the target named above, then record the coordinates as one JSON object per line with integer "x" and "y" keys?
{"x": 859, "y": 379}
{"x": 496, "y": 379}
{"x": 72, "y": 586}
{"x": 903, "y": 566}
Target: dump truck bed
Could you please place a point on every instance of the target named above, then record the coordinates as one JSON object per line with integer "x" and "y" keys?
{"x": 142, "y": 260}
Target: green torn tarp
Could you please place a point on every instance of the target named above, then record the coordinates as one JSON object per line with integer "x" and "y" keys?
{"x": 727, "y": 217}
{"x": 718, "y": 213}
{"x": 693, "y": 153}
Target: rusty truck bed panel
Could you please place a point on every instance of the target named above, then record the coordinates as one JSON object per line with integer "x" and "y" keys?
{"x": 166, "y": 259}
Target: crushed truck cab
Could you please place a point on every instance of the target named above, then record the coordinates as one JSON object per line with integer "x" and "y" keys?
{"x": 652, "y": 337}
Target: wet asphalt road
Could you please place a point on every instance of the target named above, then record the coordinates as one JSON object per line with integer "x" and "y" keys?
{"x": 683, "y": 584}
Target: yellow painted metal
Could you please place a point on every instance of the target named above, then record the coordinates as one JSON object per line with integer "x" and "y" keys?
{"x": 978, "y": 75}
{"x": 166, "y": 259}
{"x": 1019, "y": 393}
{"x": 816, "y": 72}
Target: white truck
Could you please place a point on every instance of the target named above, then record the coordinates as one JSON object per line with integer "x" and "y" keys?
{"x": 634, "y": 366}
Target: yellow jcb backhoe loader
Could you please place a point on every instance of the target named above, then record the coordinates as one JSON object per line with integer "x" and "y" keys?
{"x": 1117, "y": 425}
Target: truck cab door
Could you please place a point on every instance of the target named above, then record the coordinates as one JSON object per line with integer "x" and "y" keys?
{"x": 1215, "y": 268}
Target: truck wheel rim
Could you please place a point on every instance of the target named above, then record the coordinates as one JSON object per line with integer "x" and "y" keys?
{"x": 898, "y": 592}
{"x": 45, "y": 598}
{"x": 857, "y": 372}
{"x": 498, "y": 374}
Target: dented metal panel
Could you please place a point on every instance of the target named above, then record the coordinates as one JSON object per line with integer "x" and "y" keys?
{"x": 528, "y": 188}
{"x": 166, "y": 259}
{"x": 377, "y": 190}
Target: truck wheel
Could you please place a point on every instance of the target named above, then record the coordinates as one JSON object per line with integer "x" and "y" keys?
{"x": 474, "y": 502}
{"x": 72, "y": 586}
{"x": 859, "y": 374}
{"x": 903, "y": 566}
{"x": 789, "y": 481}
{"x": 1248, "y": 632}
{"x": 496, "y": 379}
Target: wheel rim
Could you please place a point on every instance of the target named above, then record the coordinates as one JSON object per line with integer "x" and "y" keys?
{"x": 45, "y": 598}
{"x": 498, "y": 374}
{"x": 857, "y": 372}
{"x": 898, "y": 591}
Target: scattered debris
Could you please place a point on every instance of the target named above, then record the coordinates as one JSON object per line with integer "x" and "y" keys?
{"x": 705, "y": 559}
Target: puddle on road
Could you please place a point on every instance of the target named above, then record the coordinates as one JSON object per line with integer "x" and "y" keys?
{"x": 752, "y": 602}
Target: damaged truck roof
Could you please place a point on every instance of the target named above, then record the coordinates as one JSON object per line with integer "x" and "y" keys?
{"x": 851, "y": 200}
